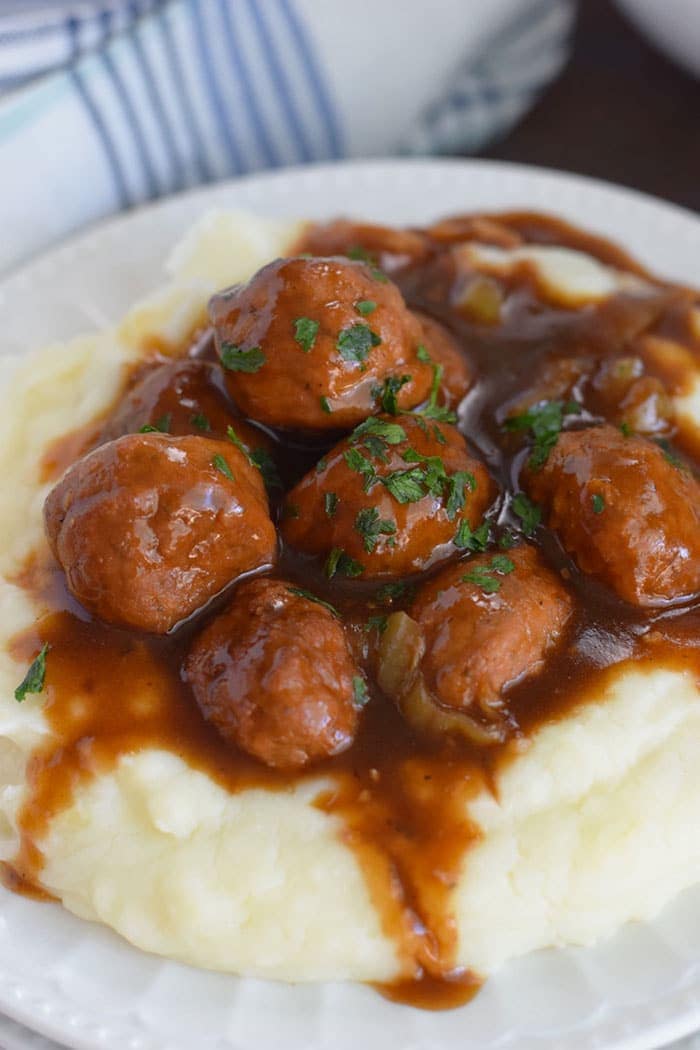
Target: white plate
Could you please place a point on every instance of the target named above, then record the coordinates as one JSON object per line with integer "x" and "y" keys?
{"x": 80, "y": 984}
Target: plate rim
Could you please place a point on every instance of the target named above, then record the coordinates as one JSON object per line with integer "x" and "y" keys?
{"x": 666, "y": 1030}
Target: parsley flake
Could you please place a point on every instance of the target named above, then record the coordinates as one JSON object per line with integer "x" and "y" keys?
{"x": 598, "y": 503}
{"x": 360, "y": 692}
{"x": 366, "y": 307}
{"x": 330, "y": 501}
{"x": 391, "y": 433}
{"x": 423, "y": 355}
{"x": 386, "y": 394}
{"x": 262, "y": 459}
{"x": 393, "y": 591}
{"x": 321, "y": 465}
{"x": 529, "y": 513}
{"x": 359, "y": 254}
{"x": 545, "y": 423}
{"x": 220, "y": 464}
{"x": 506, "y": 540}
{"x": 406, "y": 486}
{"x": 625, "y": 429}
{"x": 305, "y": 332}
{"x": 200, "y": 421}
{"x": 33, "y": 681}
{"x": 486, "y": 576}
{"x": 161, "y": 425}
{"x": 370, "y": 526}
{"x": 377, "y": 623}
{"x": 325, "y": 405}
{"x": 354, "y": 343}
{"x": 361, "y": 465}
{"x": 670, "y": 455}
{"x": 301, "y": 593}
{"x": 472, "y": 540}
{"x": 340, "y": 562}
{"x": 441, "y": 413}
{"x": 456, "y": 485}
{"x": 236, "y": 359}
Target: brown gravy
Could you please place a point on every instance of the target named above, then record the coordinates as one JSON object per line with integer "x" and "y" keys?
{"x": 401, "y": 799}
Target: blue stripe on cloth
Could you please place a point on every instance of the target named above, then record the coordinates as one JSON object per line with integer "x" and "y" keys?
{"x": 239, "y": 63}
{"x": 96, "y": 119}
{"x": 128, "y": 108}
{"x": 178, "y": 77}
{"x": 315, "y": 78}
{"x": 275, "y": 65}
{"x": 213, "y": 88}
{"x": 177, "y": 170}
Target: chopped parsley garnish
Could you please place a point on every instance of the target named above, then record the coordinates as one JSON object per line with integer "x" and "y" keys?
{"x": 625, "y": 429}
{"x": 360, "y": 692}
{"x": 406, "y": 486}
{"x": 544, "y": 422}
{"x": 361, "y": 465}
{"x": 486, "y": 577}
{"x": 305, "y": 332}
{"x": 438, "y": 435}
{"x": 423, "y": 355}
{"x": 366, "y": 307}
{"x": 598, "y": 503}
{"x": 262, "y": 459}
{"x": 386, "y": 394}
{"x": 670, "y": 455}
{"x": 222, "y": 466}
{"x": 377, "y": 623}
{"x": 354, "y": 343}
{"x": 236, "y": 359}
{"x": 506, "y": 540}
{"x": 359, "y": 254}
{"x": 325, "y": 405}
{"x": 321, "y": 465}
{"x": 258, "y": 457}
{"x": 470, "y": 539}
{"x": 330, "y": 501}
{"x": 456, "y": 484}
{"x": 433, "y": 410}
{"x": 340, "y": 562}
{"x": 529, "y": 513}
{"x": 301, "y": 593}
{"x": 33, "y": 681}
{"x": 370, "y": 526}
{"x": 393, "y": 591}
{"x": 161, "y": 425}
{"x": 200, "y": 421}
{"x": 391, "y": 433}
{"x": 235, "y": 440}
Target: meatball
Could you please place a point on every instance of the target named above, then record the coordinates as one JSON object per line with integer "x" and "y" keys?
{"x": 275, "y": 676}
{"x": 316, "y": 344}
{"x": 149, "y": 527}
{"x": 455, "y": 378}
{"x": 390, "y": 499}
{"x": 181, "y": 397}
{"x": 624, "y": 511}
{"x": 487, "y": 623}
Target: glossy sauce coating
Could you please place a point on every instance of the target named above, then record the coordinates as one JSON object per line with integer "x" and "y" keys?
{"x": 480, "y": 641}
{"x": 332, "y": 332}
{"x": 150, "y": 527}
{"x": 274, "y": 674}
{"x": 399, "y": 793}
{"x": 369, "y": 517}
{"x": 626, "y": 513}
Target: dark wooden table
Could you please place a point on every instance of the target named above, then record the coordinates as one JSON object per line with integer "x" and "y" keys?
{"x": 619, "y": 111}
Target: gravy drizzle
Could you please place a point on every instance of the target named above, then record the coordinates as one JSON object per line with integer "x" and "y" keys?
{"x": 401, "y": 799}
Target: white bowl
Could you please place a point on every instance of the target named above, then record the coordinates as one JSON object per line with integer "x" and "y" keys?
{"x": 672, "y": 26}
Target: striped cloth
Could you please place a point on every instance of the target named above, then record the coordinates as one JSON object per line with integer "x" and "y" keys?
{"x": 109, "y": 104}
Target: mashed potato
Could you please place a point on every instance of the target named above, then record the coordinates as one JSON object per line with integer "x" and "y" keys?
{"x": 589, "y": 826}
